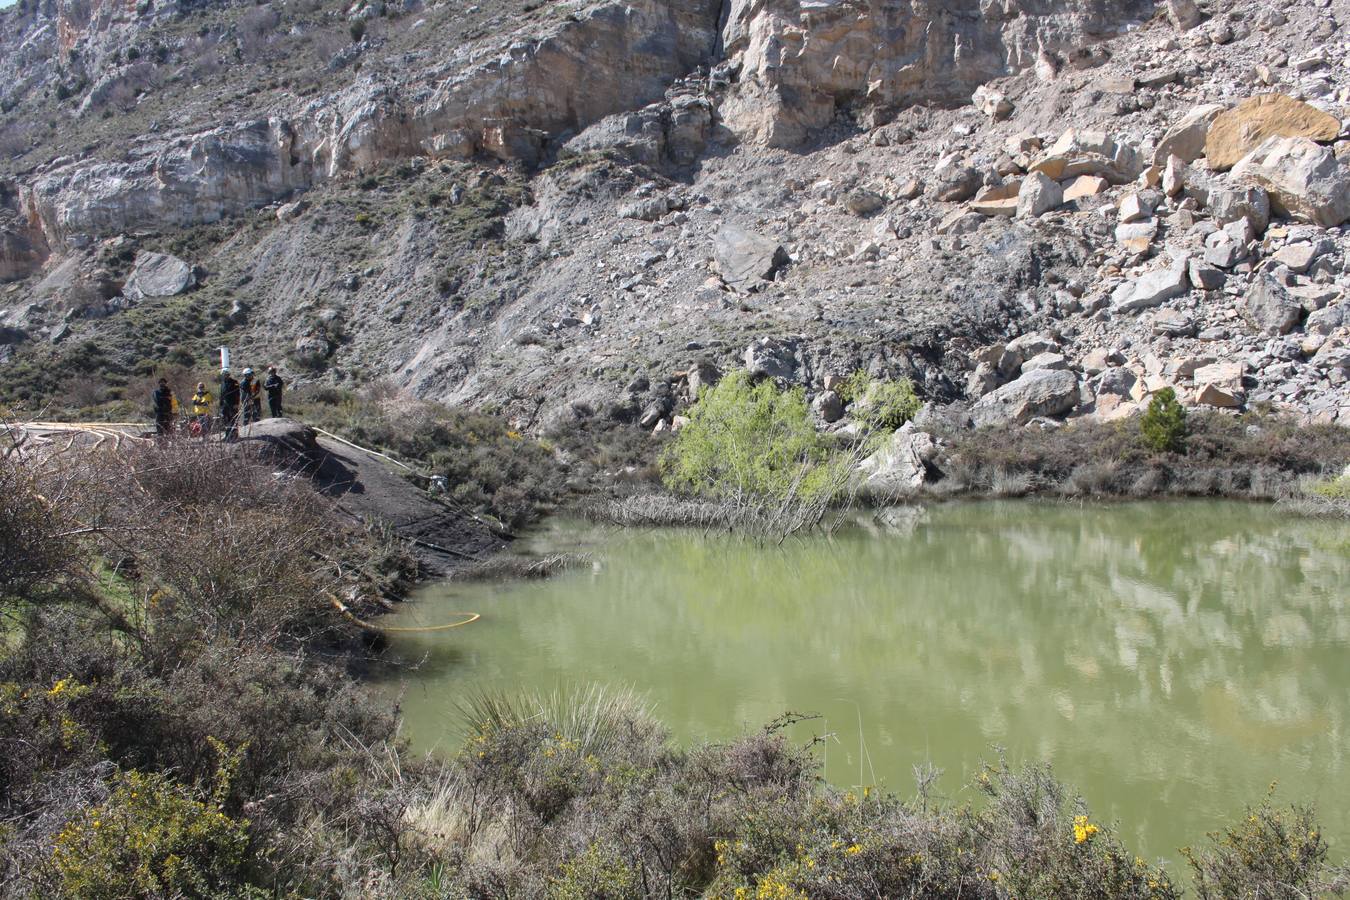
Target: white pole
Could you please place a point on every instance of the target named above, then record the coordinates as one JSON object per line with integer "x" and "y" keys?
{"x": 224, "y": 358}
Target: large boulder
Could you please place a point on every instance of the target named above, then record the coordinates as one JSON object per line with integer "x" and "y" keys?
{"x": 1239, "y": 131}
{"x": 158, "y": 275}
{"x": 773, "y": 358}
{"x": 1186, "y": 139}
{"x": 1305, "y": 180}
{"x": 1038, "y": 195}
{"x": 900, "y": 466}
{"x": 1090, "y": 153}
{"x": 1042, "y": 392}
{"x": 1153, "y": 288}
{"x": 746, "y": 260}
{"x": 1271, "y": 309}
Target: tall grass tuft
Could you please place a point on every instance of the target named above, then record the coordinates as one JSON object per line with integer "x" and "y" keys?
{"x": 598, "y": 718}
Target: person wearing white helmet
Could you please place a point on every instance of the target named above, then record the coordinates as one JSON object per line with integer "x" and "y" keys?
{"x": 252, "y": 397}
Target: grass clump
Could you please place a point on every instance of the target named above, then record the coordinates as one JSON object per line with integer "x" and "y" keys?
{"x": 1163, "y": 425}
{"x": 748, "y": 440}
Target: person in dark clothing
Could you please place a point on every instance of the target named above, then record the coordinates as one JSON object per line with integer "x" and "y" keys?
{"x": 273, "y": 386}
{"x": 229, "y": 405}
{"x": 250, "y": 398}
{"x": 166, "y": 407}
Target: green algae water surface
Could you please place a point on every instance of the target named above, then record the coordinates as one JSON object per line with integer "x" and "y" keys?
{"x": 1170, "y": 660}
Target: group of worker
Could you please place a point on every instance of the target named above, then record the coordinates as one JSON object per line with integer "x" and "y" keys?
{"x": 240, "y": 403}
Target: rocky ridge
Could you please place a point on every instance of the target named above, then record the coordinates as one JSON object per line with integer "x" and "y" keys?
{"x": 1038, "y": 210}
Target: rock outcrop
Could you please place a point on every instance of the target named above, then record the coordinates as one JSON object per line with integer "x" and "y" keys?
{"x": 801, "y": 62}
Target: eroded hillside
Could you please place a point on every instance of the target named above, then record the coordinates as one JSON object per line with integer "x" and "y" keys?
{"x": 562, "y": 210}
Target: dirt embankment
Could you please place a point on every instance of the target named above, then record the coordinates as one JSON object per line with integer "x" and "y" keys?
{"x": 374, "y": 489}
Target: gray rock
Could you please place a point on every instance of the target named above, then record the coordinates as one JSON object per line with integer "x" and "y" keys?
{"x": 1173, "y": 323}
{"x": 772, "y": 358}
{"x": 1205, "y": 277}
{"x": 647, "y": 210}
{"x": 1326, "y": 320}
{"x": 1044, "y": 392}
{"x": 1183, "y": 14}
{"x": 158, "y": 275}
{"x": 898, "y": 467}
{"x": 863, "y": 203}
{"x": 1118, "y": 380}
{"x": 1229, "y": 205}
{"x": 1305, "y": 180}
{"x": 1045, "y": 361}
{"x": 1154, "y": 288}
{"x": 828, "y": 406}
{"x": 1186, "y": 139}
{"x": 1038, "y": 195}
{"x": 1299, "y": 256}
{"x": 746, "y": 260}
{"x": 956, "y": 184}
{"x": 1271, "y": 309}
{"x": 702, "y": 375}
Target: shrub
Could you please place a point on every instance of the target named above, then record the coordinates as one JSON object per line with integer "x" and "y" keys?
{"x": 1163, "y": 425}
{"x": 880, "y": 405}
{"x": 1335, "y": 489}
{"x": 357, "y": 30}
{"x": 1273, "y": 854}
{"x": 751, "y": 440}
{"x": 152, "y": 838}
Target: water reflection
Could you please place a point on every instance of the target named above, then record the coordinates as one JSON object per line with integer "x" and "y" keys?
{"x": 1170, "y": 660}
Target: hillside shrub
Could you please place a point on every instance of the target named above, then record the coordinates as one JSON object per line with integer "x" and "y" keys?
{"x": 1272, "y": 853}
{"x": 153, "y": 838}
{"x": 751, "y": 440}
{"x": 880, "y": 405}
{"x": 1163, "y": 424}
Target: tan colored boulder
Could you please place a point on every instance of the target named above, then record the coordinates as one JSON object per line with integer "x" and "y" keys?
{"x": 1305, "y": 180}
{"x": 1090, "y": 153}
{"x": 1085, "y": 186}
{"x": 1220, "y": 384}
{"x": 1239, "y": 131}
{"x": 1000, "y": 200}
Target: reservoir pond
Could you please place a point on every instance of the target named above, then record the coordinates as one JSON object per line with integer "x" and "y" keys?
{"x": 1169, "y": 660}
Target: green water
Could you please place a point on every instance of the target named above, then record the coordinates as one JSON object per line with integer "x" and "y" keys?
{"x": 1169, "y": 659}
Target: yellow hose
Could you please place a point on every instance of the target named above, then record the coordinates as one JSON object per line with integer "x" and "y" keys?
{"x": 370, "y": 626}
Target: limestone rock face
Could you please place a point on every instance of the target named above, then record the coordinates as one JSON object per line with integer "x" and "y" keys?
{"x": 1305, "y": 180}
{"x": 1239, "y": 131}
{"x": 610, "y": 58}
{"x": 21, "y": 252}
{"x": 1040, "y": 392}
{"x": 186, "y": 181}
{"x": 800, "y": 62}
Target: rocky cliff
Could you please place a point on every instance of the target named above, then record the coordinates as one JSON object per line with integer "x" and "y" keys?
{"x": 562, "y": 209}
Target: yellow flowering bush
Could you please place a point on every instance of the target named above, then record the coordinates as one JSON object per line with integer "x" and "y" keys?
{"x": 1272, "y": 853}
{"x": 151, "y": 837}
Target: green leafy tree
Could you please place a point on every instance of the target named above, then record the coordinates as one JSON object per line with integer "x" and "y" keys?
{"x": 1163, "y": 426}
{"x": 751, "y": 440}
